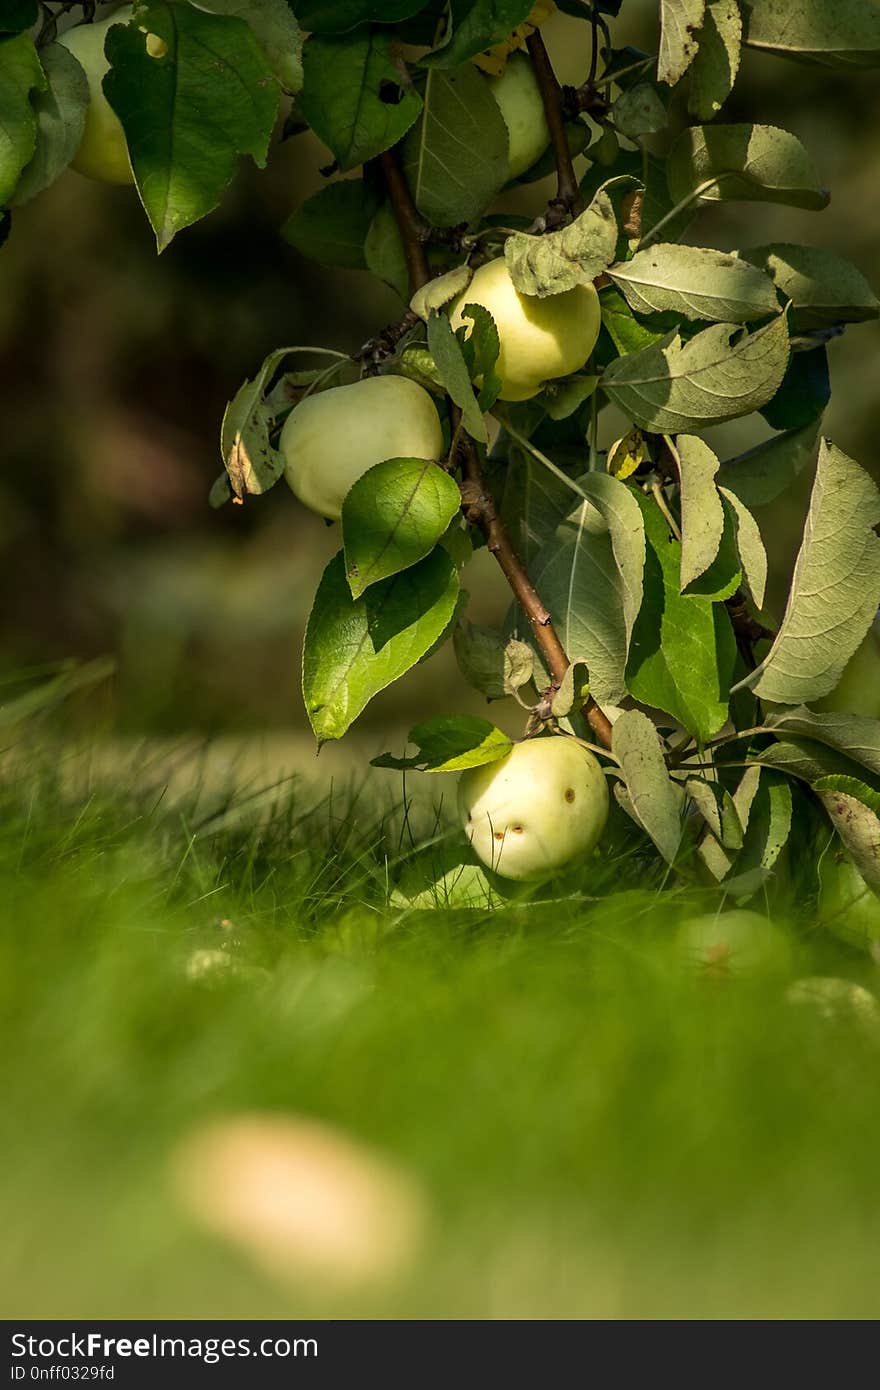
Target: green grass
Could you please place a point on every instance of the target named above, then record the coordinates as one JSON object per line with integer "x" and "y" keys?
{"x": 600, "y": 1130}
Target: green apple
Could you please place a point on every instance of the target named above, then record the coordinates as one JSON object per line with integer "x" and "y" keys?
{"x": 858, "y": 690}
{"x": 102, "y": 153}
{"x": 721, "y": 944}
{"x": 541, "y": 339}
{"x": 536, "y": 810}
{"x": 331, "y": 438}
{"x": 518, "y": 97}
{"x": 847, "y": 906}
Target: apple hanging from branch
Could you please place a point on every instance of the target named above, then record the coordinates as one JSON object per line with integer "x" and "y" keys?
{"x": 332, "y": 438}
{"x": 537, "y": 810}
{"x": 541, "y": 339}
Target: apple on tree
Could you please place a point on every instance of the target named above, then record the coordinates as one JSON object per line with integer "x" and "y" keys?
{"x": 102, "y": 153}
{"x": 536, "y": 810}
{"x": 518, "y": 97}
{"x": 540, "y": 338}
{"x": 332, "y": 438}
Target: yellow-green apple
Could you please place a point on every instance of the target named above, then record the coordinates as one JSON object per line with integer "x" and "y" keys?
{"x": 537, "y": 810}
{"x": 330, "y": 439}
{"x": 541, "y": 339}
{"x": 102, "y": 153}
{"x": 518, "y": 97}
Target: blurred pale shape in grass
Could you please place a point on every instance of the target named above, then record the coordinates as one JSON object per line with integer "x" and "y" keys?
{"x": 837, "y": 1001}
{"x": 211, "y": 967}
{"x": 301, "y": 1199}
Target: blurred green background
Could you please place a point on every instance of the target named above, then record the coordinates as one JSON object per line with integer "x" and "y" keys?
{"x": 117, "y": 364}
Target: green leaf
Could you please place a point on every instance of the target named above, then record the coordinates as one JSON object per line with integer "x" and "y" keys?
{"x": 393, "y": 516}
{"x": 342, "y": 95}
{"x": 575, "y": 255}
{"x": 440, "y": 290}
{"x": 455, "y": 157}
{"x": 442, "y": 877}
{"x": 844, "y": 34}
{"x": 590, "y": 577}
{"x": 750, "y": 547}
{"x": 683, "y": 650}
{"x": 743, "y": 163}
{"x": 190, "y": 113}
{"x": 276, "y": 31}
{"x": 624, "y": 329}
{"x": 519, "y": 665}
{"x": 822, "y": 286}
{"x": 717, "y": 375}
{"x": 60, "y": 112}
{"x": 763, "y": 802}
{"x": 572, "y": 692}
{"x": 384, "y": 253}
{"x": 695, "y": 283}
{"x": 20, "y": 74}
{"x": 726, "y": 817}
{"x": 451, "y": 743}
{"x": 251, "y": 461}
{"x": 331, "y": 226}
{"x": 479, "y": 652}
{"x": 639, "y": 111}
{"x": 532, "y": 502}
{"x": 803, "y": 394}
{"x": 724, "y": 575}
{"x": 636, "y": 744}
{"x": 716, "y": 65}
{"x": 338, "y": 16}
{"x": 808, "y": 760}
{"x": 446, "y": 352}
{"x": 18, "y": 15}
{"x": 853, "y": 735}
{"x": 649, "y": 171}
{"x": 356, "y": 647}
{"x": 679, "y": 22}
{"x": 769, "y": 823}
{"x": 763, "y": 473}
{"x": 480, "y": 346}
{"x": 475, "y": 25}
{"x": 718, "y": 809}
{"x": 563, "y": 397}
{"x": 702, "y": 511}
{"x": 854, "y": 811}
{"x": 835, "y": 590}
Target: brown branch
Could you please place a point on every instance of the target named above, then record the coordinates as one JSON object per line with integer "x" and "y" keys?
{"x": 413, "y": 228}
{"x": 479, "y": 509}
{"x": 568, "y": 196}
{"x": 477, "y": 502}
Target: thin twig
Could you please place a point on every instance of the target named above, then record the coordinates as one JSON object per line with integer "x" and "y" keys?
{"x": 477, "y": 502}
{"x": 409, "y": 220}
{"x": 568, "y": 196}
{"x": 680, "y": 206}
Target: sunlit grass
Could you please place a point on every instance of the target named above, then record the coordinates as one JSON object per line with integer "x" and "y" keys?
{"x": 596, "y": 1128}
